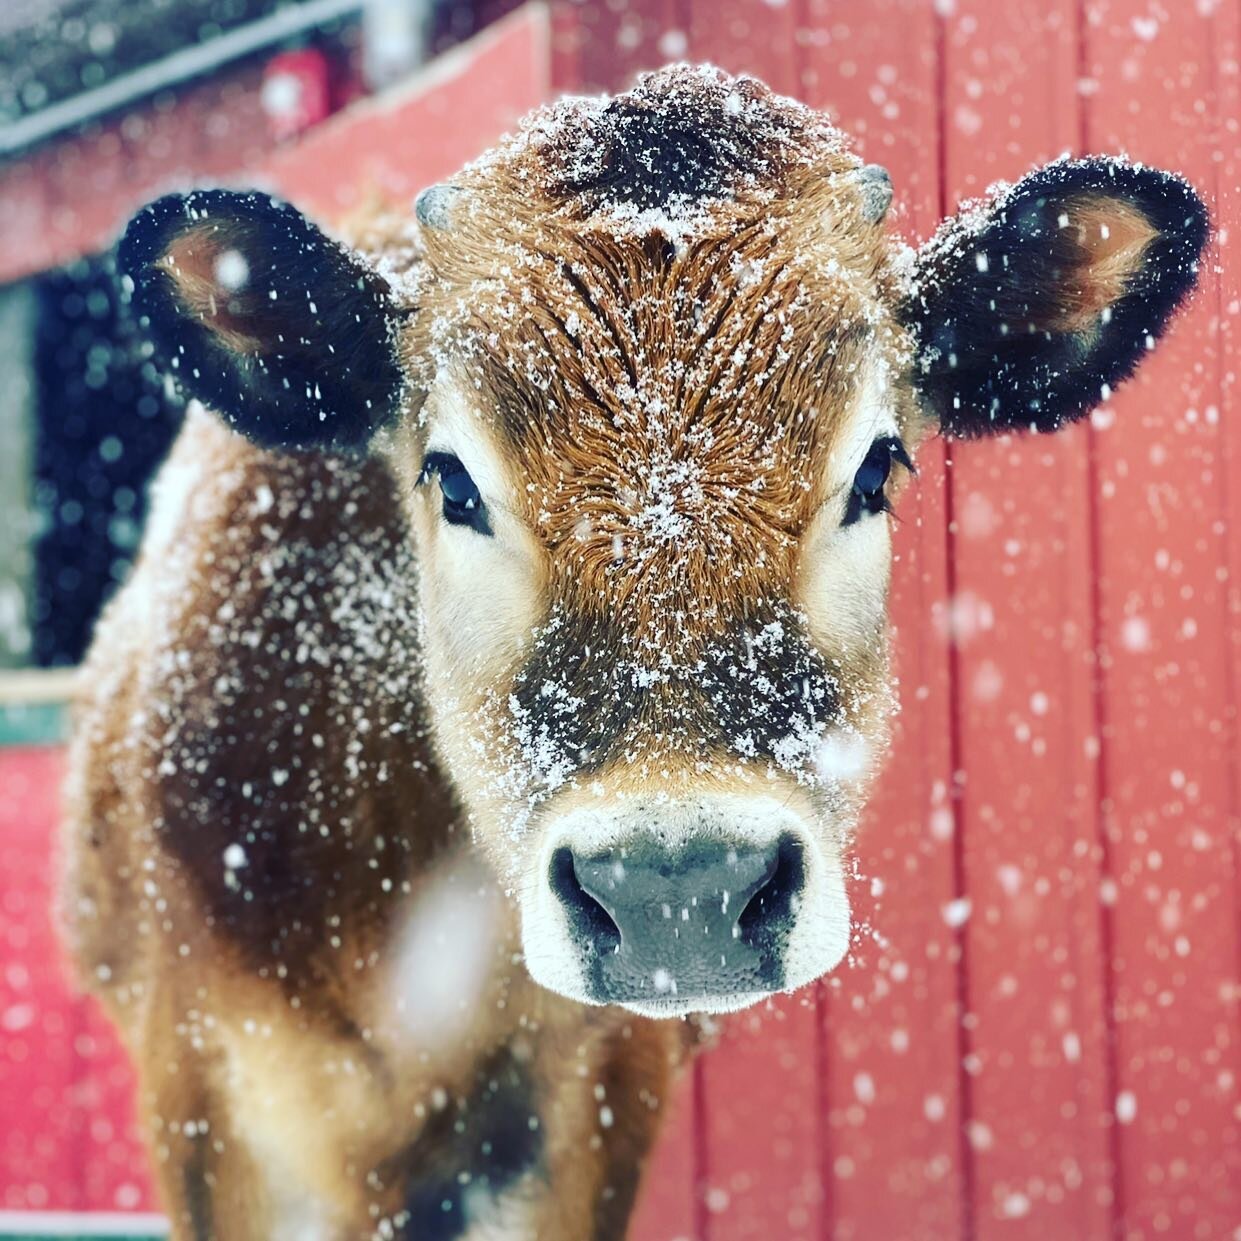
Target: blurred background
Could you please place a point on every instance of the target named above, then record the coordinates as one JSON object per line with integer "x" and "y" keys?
{"x": 1036, "y": 1033}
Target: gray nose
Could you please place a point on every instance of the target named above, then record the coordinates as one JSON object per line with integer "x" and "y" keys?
{"x": 711, "y": 919}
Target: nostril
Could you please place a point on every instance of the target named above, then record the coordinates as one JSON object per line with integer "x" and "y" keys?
{"x": 588, "y": 920}
{"x": 769, "y": 912}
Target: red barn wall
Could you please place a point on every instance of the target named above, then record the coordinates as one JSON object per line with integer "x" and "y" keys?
{"x": 72, "y": 195}
{"x": 1037, "y": 1032}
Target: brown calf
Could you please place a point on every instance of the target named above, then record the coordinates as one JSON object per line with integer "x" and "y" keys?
{"x": 516, "y": 676}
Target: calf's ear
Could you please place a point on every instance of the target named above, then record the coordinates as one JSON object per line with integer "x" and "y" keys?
{"x": 1027, "y": 310}
{"x": 264, "y": 318}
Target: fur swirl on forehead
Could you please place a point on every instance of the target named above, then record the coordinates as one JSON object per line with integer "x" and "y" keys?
{"x": 680, "y": 136}
{"x": 680, "y": 433}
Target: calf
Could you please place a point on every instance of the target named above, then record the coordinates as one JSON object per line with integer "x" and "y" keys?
{"x": 506, "y": 663}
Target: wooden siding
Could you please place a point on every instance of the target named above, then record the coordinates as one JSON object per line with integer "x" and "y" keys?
{"x": 1037, "y": 1034}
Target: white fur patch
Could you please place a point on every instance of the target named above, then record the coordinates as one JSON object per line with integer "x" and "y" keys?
{"x": 842, "y": 582}
{"x": 481, "y": 591}
{"x": 506, "y": 1217}
{"x": 180, "y": 478}
{"x": 297, "y": 1216}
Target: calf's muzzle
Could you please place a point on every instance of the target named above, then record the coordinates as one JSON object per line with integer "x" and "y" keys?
{"x": 708, "y": 919}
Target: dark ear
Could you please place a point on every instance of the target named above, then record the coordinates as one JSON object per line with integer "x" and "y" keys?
{"x": 1028, "y": 309}
{"x": 264, "y": 318}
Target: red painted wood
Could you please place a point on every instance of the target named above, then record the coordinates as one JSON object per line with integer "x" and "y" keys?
{"x": 605, "y": 44}
{"x": 297, "y": 92}
{"x": 67, "y": 1141}
{"x": 667, "y": 1207}
{"x": 1036, "y": 1034}
{"x": 392, "y": 146}
{"x": 1170, "y": 741}
{"x": 892, "y": 1146}
{"x": 847, "y": 1111}
{"x": 743, "y": 37}
{"x": 1227, "y": 40}
{"x": 761, "y": 1120}
{"x": 74, "y": 196}
{"x": 38, "y": 1021}
{"x": 114, "y": 1170}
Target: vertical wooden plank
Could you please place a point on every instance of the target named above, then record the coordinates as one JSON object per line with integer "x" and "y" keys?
{"x": 1170, "y": 741}
{"x": 872, "y": 66}
{"x": 1227, "y": 41}
{"x": 607, "y": 44}
{"x": 890, "y": 1018}
{"x": 1037, "y": 1050}
{"x": 745, "y": 36}
{"x": 762, "y": 1152}
{"x": 667, "y": 1206}
{"x": 760, "y": 1126}
{"x": 38, "y": 1021}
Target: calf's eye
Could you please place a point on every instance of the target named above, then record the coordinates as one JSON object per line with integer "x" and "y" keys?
{"x": 462, "y": 502}
{"x": 868, "y": 494}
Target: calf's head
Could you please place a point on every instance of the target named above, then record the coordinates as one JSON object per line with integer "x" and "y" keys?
{"x": 652, "y": 376}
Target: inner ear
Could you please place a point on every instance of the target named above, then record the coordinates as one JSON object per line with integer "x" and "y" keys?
{"x": 1111, "y": 239}
{"x": 212, "y": 276}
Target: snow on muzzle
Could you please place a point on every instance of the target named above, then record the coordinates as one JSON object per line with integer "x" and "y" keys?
{"x": 665, "y": 907}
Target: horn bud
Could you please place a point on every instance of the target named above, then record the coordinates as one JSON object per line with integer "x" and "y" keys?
{"x": 875, "y": 185}
{"x": 435, "y": 205}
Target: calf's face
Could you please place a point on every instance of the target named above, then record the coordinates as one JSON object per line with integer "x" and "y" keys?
{"x": 651, "y": 377}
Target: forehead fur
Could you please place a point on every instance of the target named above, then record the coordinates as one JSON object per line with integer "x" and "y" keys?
{"x": 667, "y": 302}
{"x": 680, "y": 138}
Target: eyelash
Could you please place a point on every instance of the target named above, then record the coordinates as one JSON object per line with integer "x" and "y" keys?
{"x": 867, "y": 494}
{"x": 462, "y": 502}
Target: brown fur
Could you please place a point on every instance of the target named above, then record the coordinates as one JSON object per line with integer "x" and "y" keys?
{"x": 193, "y": 261}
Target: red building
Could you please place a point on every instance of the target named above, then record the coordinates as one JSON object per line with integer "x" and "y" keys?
{"x": 1037, "y": 1034}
